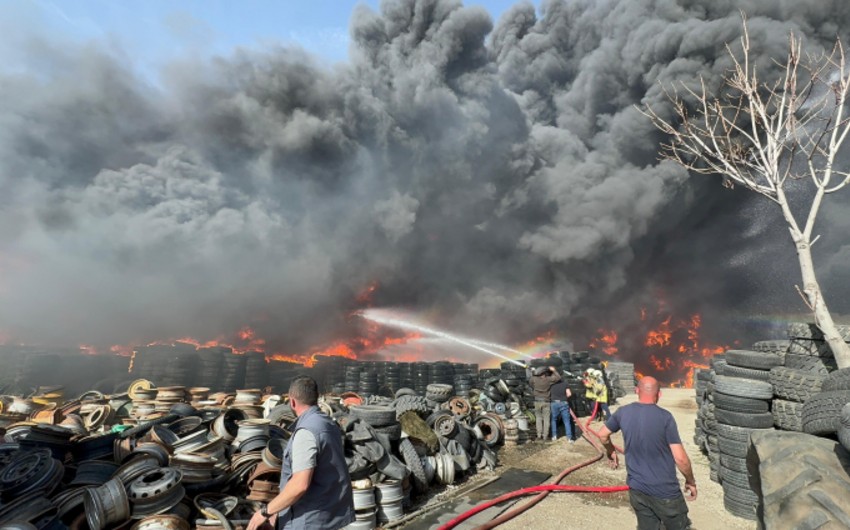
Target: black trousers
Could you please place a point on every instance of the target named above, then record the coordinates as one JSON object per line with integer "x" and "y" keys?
{"x": 653, "y": 512}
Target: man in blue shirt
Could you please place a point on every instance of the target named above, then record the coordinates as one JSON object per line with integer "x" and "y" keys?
{"x": 653, "y": 451}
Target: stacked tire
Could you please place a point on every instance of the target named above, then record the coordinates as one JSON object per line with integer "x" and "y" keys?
{"x": 808, "y": 351}
{"x": 742, "y": 399}
{"x": 233, "y": 372}
{"x": 622, "y": 377}
{"x": 705, "y": 432}
{"x": 256, "y": 370}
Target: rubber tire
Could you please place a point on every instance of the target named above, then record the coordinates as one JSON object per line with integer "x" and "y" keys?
{"x": 795, "y": 385}
{"x": 753, "y": 359}
{"x": 746, "y": 373}
{"x": 731, "y": 447}
{"x": 762, "y": 420}
{"x": 774, "y": 346}
{"x": 837, "y": 380}
{"x": 440, "y": 393}
{"x": 393, "y": 432}
{"x": 822, "y": 413}
{"x": 741, "y": 434}
{"x": 787, "y": 415}
{"x": 844, "y": 427}
{"x": 740, "y": 502}
{"x": 800, "y": 482}
{"x": 817, "y": 348}
{"x": 736, "y": 386}
{"x": 374, "y": 415}
{"x": 414, "y": 464}
{"x": 739, "y": 404}
{"x": 736, "y": 478}
{"x": 734, "y": 463}
{"x": 811, "y": 363}
{"x": 806, "y": 330}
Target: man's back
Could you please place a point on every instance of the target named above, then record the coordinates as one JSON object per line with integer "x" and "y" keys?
{"x": 648, "y": 431}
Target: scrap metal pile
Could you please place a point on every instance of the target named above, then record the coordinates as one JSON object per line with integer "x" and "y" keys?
{"x": 176, "y": 457}
{"x": 182, "y": 457}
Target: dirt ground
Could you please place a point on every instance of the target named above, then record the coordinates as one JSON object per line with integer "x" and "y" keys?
{"x": 575, "y": 510}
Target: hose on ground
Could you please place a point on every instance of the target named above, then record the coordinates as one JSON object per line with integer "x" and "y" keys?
{"x": 543, "y": 490}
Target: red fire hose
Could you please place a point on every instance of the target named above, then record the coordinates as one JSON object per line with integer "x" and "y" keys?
{"x": 542, "y": 490}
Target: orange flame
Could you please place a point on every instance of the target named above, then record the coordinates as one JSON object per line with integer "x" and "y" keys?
{"x": 673, "y": 346}
{"x": 607, "y": 342}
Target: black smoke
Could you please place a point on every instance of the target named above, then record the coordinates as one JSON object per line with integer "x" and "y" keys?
{"x": 495, "y": 176}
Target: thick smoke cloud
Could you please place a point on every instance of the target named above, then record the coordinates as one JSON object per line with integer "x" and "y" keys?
{"x": 496, "y": 175}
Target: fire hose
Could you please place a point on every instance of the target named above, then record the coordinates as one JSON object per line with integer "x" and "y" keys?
{"x": 543, "y": 490}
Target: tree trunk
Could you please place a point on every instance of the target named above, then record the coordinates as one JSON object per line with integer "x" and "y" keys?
{"x": 823, "y": 318}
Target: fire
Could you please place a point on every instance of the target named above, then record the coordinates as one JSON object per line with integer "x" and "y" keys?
{"x": 671, "y": 348}
{"x": 607, "y": 342}
{"x": 88, "y": 349}
{"x": 660, "y": 336}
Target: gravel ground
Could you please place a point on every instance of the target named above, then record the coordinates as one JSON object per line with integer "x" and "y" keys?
{"x": 575, "y": 510}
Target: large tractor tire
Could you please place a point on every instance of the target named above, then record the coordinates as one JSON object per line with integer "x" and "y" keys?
{"x": 802, "y": 481}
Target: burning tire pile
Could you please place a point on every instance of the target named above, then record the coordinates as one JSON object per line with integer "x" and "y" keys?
{"x": 746, "y": 398}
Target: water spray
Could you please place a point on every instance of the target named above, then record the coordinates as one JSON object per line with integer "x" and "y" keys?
{"x": 400, "y": 323}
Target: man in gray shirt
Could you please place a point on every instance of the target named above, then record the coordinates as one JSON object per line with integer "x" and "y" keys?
{"x": 315, "y": 488}
{"x": 541, "y": 383}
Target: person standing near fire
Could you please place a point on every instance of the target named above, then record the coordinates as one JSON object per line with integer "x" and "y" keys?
{"x": 653, "y": 451}
{"x": 541, "y": 383}
{"x": 597, "y": 392}
{"x": 560, "y": 395}
{"x": 315, "y": 487}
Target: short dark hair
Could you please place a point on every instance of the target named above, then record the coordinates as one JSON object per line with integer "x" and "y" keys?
{"x": 305, "y": 390}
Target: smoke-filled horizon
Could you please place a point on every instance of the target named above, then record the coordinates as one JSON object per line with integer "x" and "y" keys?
{"x": 493, "y": 175}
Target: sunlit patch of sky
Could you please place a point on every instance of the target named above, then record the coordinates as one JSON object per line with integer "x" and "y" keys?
{"x": 151, "y": 33}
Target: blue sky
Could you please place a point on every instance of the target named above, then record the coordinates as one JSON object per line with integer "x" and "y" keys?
{"x": 150, "y": 32}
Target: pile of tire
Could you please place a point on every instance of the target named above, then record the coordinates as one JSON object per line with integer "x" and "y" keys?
{"x": 705, "y": 432}
{"x": 622, "y": 378}
{"x": 741, "y": 398}
{"x": 256, "y": 370}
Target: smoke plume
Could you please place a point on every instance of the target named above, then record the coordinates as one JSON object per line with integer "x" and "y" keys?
{"x": 495, "y": 175}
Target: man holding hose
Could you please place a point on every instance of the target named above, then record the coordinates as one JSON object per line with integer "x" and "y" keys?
{"x": 653, "y": 451}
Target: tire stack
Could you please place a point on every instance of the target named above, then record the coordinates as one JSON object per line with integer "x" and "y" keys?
{"x": 392, "y": 376}
{"x": 209, "y": 366}
{"x": 352, "y": 377}
{"x": 256, "y": 370}
{"x": 180, "y": 366}
{"x": 463, "y": 384}
{"x": 368, "y": 382}
{"x": 421, "y": 377}
{"x": 808, "y": 351}
{"x": 514, "y": 376}
{"x": 624, "y": 375}
{"x": 405, "y": 375}
{"x": 702, "y": 379}
{"x": 442, "y": 373}
{"x": 742, "y": 399}
{"x": 233, "y": 372}
{"x": 792, "y": 388}
{"x": 705, "y": 433}
{"x": 485, "y": 375}
{"x": 281, "y": 374}
{"x": 822, "y": 413}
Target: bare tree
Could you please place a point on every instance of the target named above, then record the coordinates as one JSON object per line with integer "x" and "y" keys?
{"x": 775, "y": 138}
